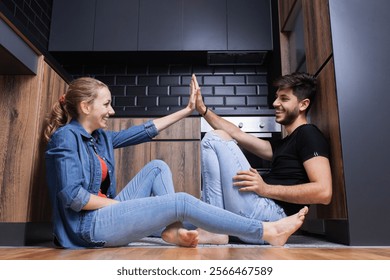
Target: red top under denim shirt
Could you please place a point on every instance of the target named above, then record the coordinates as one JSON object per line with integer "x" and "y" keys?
{"x": 103, "y": 165}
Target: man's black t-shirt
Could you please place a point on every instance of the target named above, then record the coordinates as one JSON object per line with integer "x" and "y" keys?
{"x": 289, "y": 154}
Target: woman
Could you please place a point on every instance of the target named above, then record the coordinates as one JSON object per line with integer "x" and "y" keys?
{"x": 80, "y": 173}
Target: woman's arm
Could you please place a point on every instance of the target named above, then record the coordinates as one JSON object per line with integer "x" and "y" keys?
{"x": 96, "y": 202}
{"x": 164, "y": 122}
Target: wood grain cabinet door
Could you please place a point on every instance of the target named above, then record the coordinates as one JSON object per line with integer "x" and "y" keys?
{"x": 178, "y": 146}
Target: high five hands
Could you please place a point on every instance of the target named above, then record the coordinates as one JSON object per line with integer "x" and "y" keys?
{"x": 196, "y": 92}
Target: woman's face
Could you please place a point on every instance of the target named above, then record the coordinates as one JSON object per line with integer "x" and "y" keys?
{"x": 100, "y": 110}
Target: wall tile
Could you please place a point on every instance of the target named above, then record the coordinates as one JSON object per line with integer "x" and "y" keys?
{"x": 213, "y": 80}
{"x": 159, "y": 90}
{"x": 235, "y": 101}
{"x": 224, "y": 90}
{"x": 136, "y": 90}
{"x": 126, "y": 80}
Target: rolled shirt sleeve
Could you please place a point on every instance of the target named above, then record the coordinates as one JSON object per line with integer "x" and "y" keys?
{"x": 134, "y": 135}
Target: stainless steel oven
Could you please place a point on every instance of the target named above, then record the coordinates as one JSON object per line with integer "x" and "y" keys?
{"x": 263, "y": 127}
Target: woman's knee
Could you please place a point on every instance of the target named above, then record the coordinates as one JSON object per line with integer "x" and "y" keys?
{"x": 160, "y": 164}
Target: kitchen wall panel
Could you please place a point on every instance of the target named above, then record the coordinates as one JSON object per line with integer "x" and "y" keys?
{"x": 360, "y": 50}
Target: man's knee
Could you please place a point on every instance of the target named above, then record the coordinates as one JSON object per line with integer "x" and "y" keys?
{"x": 223, "y": 134}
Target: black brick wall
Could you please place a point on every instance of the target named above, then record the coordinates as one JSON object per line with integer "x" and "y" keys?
{"x": 33, "y": 15}
{"x": 157, "y": 90}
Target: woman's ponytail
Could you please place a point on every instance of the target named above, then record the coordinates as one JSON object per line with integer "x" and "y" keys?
{"x": 57, "y": 118}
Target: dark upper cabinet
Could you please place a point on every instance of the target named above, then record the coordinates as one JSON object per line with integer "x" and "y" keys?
{"x": 204, "y": 25}
{"x": 116, "y": 26}
{"x": 160, "y": 25}
{"x": 72, "y": 26}
{"x": 249, "y": 25}
{"x": 169, "y": 25}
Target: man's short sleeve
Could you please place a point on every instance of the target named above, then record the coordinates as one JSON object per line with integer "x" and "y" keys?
{"x": 311, "y": 143}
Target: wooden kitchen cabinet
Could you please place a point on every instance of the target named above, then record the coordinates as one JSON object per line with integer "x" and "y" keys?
{"x": 25, "y": 100}
{"x": 324, "y": 114}
{"x": 178, "y": 146}
{"x": 286, "y": 11}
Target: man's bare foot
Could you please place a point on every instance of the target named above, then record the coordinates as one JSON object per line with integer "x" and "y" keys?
{"x": 180, "y": 236}
{"x": 277, "y": 233}
{"x": 206, "y": 237}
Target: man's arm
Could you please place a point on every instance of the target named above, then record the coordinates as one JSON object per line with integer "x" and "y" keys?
{"x": 259, "y": 147}
{"x": 317, "y": 191}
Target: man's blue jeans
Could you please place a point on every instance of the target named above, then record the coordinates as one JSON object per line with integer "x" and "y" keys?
{"x": 221, "y": 160}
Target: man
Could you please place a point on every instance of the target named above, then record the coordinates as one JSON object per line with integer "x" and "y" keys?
{"x": 300, "y": 171}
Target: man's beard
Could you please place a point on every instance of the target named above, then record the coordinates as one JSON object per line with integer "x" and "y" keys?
{"x": 289, "y": 117}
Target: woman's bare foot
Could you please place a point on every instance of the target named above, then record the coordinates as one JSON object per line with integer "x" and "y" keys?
{"x": 277, "y": 233}
{"x": 180, "y": 236}
{"x": 206, "y": 237}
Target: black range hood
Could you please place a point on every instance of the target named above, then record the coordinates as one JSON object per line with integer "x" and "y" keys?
{"x": 236, "y": 58}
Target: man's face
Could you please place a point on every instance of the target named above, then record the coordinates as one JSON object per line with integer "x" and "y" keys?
{"x": 286, "y": 106}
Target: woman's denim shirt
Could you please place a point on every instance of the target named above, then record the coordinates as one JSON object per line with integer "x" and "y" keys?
{"x": 74, "y": 173}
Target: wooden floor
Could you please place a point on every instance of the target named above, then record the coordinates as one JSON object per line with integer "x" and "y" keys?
{"x": 200, "y": 253}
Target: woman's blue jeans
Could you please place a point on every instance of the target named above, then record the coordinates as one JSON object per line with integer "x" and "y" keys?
{"x": 148, "y": 204}
{"x": 221, "y": 160}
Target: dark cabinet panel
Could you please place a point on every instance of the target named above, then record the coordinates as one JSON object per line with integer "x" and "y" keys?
{"x": 160, "y": 25}
{"x": 204, "y": 25}
{"x": 72, "y": 25}
{"x": 249, "y": 25}
{"x": 116, "y": 26}
{"x": 169, "y": 25}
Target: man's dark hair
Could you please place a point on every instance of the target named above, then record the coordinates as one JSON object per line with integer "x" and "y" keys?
{"x": 303, "y": 85}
